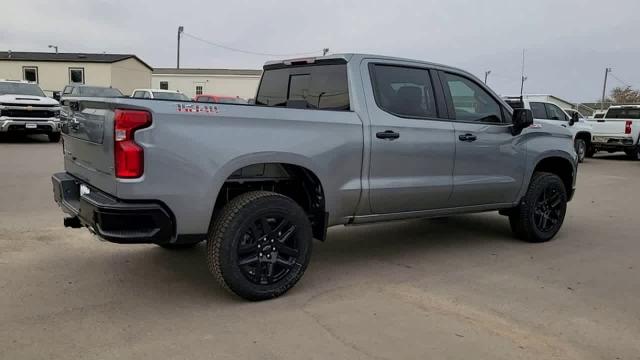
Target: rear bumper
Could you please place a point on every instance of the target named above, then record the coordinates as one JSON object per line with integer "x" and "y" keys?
{"x": 34, "y": 126}
{"x": 112, "y": 219}
{"x": 612, "y": 142}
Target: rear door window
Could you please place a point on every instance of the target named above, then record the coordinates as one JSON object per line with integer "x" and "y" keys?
{"x": 404, "y": 91}
{"x": 538, "y": 110}
{"x": 322, "y": 87}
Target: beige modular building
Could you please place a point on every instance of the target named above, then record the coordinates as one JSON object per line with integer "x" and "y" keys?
{"x": 53, "y": 71}
{"x": 221, "y": 82}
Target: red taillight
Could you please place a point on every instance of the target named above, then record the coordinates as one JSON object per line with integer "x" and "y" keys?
{"x": 627, "y": 127}
{"x": 129, "y": 156}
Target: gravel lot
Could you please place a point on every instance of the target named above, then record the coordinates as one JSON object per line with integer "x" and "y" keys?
{"x": 458, "y": 288}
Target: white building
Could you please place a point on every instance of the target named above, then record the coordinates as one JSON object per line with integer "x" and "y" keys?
{"x": 53, "y": 71}
{"x": 220, "y": 82}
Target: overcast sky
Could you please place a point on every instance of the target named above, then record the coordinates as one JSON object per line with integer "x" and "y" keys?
{"x": 569, "y": 42}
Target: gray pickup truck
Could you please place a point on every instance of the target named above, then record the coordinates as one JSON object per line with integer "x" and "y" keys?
{"x": 337, "y": 140}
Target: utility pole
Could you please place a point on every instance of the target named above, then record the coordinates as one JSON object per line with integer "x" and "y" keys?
{"x": 325, "y": 51}
{"x": 54, "y": 47}
{"x": 523, "y": 78}
{"x": 180, "y": 31}
{"x": 604, "y": 88}
{"x": 486, "y": 75}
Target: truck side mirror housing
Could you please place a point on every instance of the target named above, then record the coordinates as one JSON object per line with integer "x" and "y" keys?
{"x": 522, "y": 119}
{"x": 56, "y": 95}
{"x": 574, "y": 119}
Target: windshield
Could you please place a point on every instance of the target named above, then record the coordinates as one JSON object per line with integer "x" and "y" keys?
{"x": 623, "y": 113}
{"x": 9, "y": 88}
{"x": 96, "y": 91}
{"x": 169, "y": 96}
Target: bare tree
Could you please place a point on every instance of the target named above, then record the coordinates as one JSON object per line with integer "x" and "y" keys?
{"x": 625, "y": 95}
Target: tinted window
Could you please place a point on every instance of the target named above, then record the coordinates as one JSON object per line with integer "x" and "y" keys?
{"x": 20, "y": 89}
{"x": 629, "y": 113}
{"x": 138, "y": 94}
{"x": 598, "y": 116}
{"x": 67, "y": 90}
{"x": 95, "y": 91}
{"x": 555, "y": 113}
{"x": 471, "y": 102}
{"x": 308, "y": 87}
{"x": 538, "y": 110}
{"x": 404, "y": 91}
{"x": 169, "y": 96}
{"x": 515, "y": 104}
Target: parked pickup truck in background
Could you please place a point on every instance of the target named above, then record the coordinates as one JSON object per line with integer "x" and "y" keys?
{"x": 548, "y": 113}
{"x": 336, "y": 140}
{"x": 619, "y": 130}
{"x": 159, "y": 94}
{"x": 24, "y": 109}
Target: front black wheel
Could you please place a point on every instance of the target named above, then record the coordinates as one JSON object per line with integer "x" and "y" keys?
{"x": 259, "y": 245}
{"x": 581, "y": 149}
{"x": 541, "y": 212}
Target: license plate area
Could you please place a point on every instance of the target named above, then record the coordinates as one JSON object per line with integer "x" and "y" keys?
{"x": 31, "y": 126}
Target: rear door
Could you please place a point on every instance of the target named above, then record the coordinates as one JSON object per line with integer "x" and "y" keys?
{"x": 489, "y": 161}
{"x": 412, "y": 143}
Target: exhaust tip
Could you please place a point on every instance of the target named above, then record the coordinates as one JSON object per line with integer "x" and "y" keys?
{"x": 72, "y": 222}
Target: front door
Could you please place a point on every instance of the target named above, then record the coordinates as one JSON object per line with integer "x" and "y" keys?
{"x": 490, "y": 161}
{"x": 412, "y": 143}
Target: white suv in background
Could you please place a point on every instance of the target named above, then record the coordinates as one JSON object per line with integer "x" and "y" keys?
{"x": 550, "y": 113}
{"x": 159, "y": 94}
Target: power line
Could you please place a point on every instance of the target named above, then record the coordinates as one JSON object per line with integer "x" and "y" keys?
{"x": 621, "y": 81}
{"x": 247, "y": 51}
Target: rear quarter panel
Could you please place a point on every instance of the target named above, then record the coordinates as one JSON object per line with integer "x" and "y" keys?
{"x": 189, "y": 155}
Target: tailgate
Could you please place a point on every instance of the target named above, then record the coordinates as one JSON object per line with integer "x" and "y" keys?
{"x": 608, "y": 127}
{"x": 87, "y": 128}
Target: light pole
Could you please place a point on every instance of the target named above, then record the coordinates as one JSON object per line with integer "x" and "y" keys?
{"x": 604, "y": 88}
{"x": 180, "y": 31}
{"x": 54, "y": 47}
{"x": 486, "y": 75}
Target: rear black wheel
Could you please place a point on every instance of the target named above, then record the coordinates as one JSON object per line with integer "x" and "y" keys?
{"x": 260, "y": 245}
{"x": 541, "y": 212}
{"x": 633, "y": 153}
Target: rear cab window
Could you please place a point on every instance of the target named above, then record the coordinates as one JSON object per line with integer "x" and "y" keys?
{"x": 623, "y": 113}
{"x": 319, "y": 86}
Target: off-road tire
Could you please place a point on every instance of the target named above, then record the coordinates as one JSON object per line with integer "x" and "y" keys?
{"x": 231, "y": 224}
{"x": 54, "y": 137}
{"x": 522, "y": 218}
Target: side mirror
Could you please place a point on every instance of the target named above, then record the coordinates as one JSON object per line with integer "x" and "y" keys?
{"x": 56, "y": 95}
{"x": 574, "y": 119}
{"x": 522, "y": 119}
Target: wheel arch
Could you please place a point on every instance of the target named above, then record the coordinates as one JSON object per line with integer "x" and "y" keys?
{"x": 288, "y": 174}
{"x": 558, "y": 165}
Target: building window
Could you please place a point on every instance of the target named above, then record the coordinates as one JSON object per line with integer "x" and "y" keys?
{"x": 164, "y": 85}
{"x": 76, "y": 75}
{"x": 30, "y": 73}
{"x": 199, "y": 90}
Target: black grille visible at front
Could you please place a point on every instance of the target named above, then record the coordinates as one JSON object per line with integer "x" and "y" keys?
{"x": 27, "y": 113}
